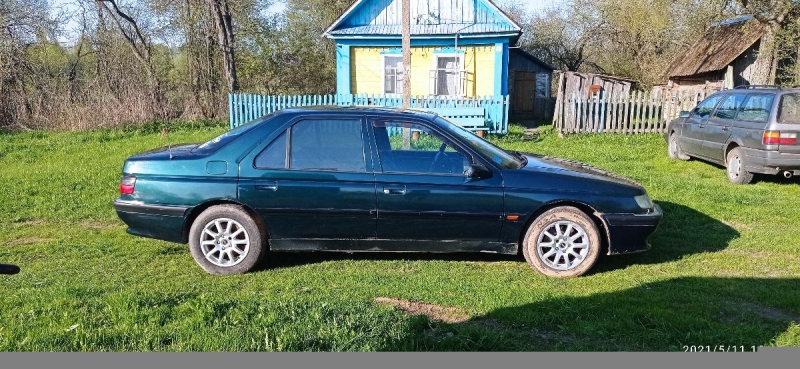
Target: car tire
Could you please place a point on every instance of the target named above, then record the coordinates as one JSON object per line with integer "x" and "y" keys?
{"x": 563, "y": 242}
{"x": 226, "y": 240}
{"x": 734, "y": 165}
{"x": 674, "y": 148}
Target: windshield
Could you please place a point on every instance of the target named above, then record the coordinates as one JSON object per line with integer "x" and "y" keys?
{"x": 217, "y": 142}
{"x": 504, "y": 159}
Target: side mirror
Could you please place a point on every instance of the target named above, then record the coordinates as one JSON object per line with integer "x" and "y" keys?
{"x": 685, "y": 114}
{"x": 477, "y": 171}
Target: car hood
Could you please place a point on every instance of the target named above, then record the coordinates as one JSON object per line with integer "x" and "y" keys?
{"x": 572, "y": 175}
{"x": 180, "y": 151}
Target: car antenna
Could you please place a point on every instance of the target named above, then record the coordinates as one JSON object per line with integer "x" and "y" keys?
{"x": 165, "y": 133}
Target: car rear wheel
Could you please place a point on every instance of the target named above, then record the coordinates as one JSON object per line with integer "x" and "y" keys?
{"x": 674, "y": 148}
{"x": 563, "y": 242}
{"x": 226, "y": 240}
{"x": 735, "y": 168}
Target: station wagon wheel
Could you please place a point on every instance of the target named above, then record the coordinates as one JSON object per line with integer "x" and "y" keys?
{"x": 226, "y": 240}
{"x": 563, "y": 242}
{"x": 735, "y": 168}
{"x": 674, "y": 148}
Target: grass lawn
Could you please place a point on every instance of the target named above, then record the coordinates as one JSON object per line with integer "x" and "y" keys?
{"x": 724, "y": 268}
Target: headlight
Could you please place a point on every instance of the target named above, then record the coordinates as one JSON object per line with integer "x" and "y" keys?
{"x": 644, "y": 201}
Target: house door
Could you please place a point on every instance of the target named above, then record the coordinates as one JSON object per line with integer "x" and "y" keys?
{"x": 524, "y": 93}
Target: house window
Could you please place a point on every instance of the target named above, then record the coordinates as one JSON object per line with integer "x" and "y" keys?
{"x": 542, "y": 85}
{"x": 448, "y": 78}
{"x": 393, "y": 74}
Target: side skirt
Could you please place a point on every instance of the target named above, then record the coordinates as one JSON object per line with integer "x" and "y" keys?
{"x": 375, "y": 245}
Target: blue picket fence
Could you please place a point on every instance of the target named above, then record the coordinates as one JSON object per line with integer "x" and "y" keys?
{"x": 243, "y": 108}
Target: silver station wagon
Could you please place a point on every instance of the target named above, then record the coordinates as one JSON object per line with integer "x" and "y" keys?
{"x": 749, "y": 129}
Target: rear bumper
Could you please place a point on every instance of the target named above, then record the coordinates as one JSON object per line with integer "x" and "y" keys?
{"x": 629, "y": 233}
{"x": 161, "y": 222}
{"x": 770, "y": 162}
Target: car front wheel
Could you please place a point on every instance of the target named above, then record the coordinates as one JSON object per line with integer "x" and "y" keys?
{"x": 225, "y": 240}
{"x": 674, "y": 148}
{"x": 735, "y": 167}
{"x": 563, "y": 242}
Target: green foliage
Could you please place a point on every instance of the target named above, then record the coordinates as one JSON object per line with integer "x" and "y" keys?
{"x": 722, "y": 269}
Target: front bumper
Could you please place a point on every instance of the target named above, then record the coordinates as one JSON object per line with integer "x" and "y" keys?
{"x": 629, "y": 233}
{"x": 163, "y": 222}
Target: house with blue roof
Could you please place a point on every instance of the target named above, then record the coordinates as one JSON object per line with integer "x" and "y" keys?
{"x": 460, "y": 49}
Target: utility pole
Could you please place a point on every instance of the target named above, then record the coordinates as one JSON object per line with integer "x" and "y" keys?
{"x": 406, "y": 35}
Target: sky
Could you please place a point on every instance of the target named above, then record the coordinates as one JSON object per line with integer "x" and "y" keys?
{"x": 532, "y": 5}
{"x": 278, "y": 6}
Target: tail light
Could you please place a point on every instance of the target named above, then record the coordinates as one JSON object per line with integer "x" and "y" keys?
{"x": 127, "y": 184}
{"x": 779, "y": 138}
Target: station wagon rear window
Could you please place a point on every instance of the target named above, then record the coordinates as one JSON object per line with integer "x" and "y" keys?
{"x": 789, "y": 109}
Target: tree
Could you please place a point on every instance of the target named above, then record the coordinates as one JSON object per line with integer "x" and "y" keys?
{"x": 773, "y": 15}
{"x": 222, "y": 18}
{"x": 140, "y": 45}
{"x": 561, "y": 36}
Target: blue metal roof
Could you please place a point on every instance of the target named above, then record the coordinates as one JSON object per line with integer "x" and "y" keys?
{"x": 427, "y": 29}
{"x": 429, "y": 17}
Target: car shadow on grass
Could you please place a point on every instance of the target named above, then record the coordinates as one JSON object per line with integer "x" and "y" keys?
{"x": 681, "y": 314}
{"x": 683, "y": 232}
{"x": 279, "y": 260}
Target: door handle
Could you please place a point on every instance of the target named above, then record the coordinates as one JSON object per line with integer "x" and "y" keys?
{"x": 270, "y": 186}
{"x": 726, "y": 129}
{"x": 400, "y": 190}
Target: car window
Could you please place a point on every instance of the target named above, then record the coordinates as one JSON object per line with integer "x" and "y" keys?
{"x": 728, "y": 107}
{"x": 789, "y": 109}
{"x": 406, "y": 147}
{"x": 704, "y": 109}
{"x": 220, "y": 141}
{"x": 756, "y": 108}
{"x": 327, "y": 145}
{"x": 274, "y": 156}
{"x": 501, "y": 157}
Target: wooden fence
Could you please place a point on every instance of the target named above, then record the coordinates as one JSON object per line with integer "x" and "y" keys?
{"x": 636, "y": 112}
{"x": 243, "y": 108}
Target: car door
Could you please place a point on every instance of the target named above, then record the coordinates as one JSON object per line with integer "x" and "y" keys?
{"x": 313, "y": 184}
{"x": 718, "y": 128}
{"x": 691, "y": 139}
{"x": 423, "y": 195}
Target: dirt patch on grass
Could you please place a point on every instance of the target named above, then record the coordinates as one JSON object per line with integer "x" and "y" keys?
{"x": 30, "y": 223}
{"x": 759, "y": 254}
{"x": 432, "y": 311}
{"x": 764, "y": 311}
{"x": 737, "y": 225}
{"x": 752, "y": 254}
{"x": 451, "y": 315}
{"x": 27, "y": 241}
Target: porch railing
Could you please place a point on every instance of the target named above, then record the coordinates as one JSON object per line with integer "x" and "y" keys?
{"x": 243, "y": 108}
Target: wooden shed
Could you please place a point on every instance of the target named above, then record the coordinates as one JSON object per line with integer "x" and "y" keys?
{"x": 530, "y": 86}
{"x": 723, "y": 58}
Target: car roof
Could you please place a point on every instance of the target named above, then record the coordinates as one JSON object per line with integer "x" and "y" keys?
{"x": 762, "y": 89}
{"x": 362, "y": 110}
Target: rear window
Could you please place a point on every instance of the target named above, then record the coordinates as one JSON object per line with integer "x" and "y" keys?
{"x": 218, "y": 142}
{"x": 789, "y": 109}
